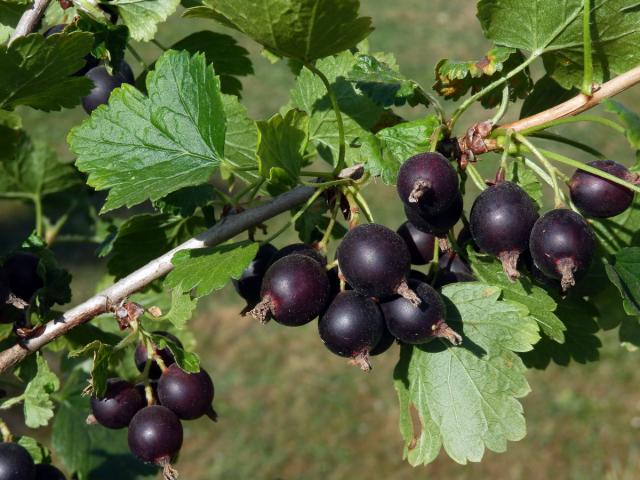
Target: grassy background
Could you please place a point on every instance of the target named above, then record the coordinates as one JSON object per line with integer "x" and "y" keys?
{"x": 291, "y": 410}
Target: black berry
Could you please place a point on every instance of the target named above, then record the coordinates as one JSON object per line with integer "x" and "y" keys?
{"x": 597, "y": 197}
{"x": 104, "y": 84}
{"x": 188, "y": 395}
{"x": 300, "y": 249}
{"x": 385, "y": 343}
{"x": 420, "y": 244}
{"x": 22, "y": 273}
{"x": 15, "y": 463}
{"x": 120, "y": 403}
{"x": 295, "y": 290}
{"x": 352, "y": 326}
{"x": 438, "y": 224}
{"x": 501, "y": 220}
{"x": 429, "y": 181}
{"x": 562, "y": 245}
{"x": 48, "y": 472}
{"x": 249, "y": 283}
{"x": 165, "y": 354}
{"x": 155, "y": 435}
{"x": 375, "y": 261}
{"x": 416, "y": 325}
{"x": 452, "y": 268}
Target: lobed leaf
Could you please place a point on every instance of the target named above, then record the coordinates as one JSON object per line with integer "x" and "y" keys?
{"x": 624, "y": 273}
{"x": 143, "y": 16}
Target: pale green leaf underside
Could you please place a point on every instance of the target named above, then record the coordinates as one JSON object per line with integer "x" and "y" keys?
{"x": 142, "y": 16}
{"x": 147, "y": 147}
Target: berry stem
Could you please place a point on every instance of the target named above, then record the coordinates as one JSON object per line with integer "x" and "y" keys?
{"x": 475, "y": 177}
{"x": 362, "y": 360}
{"x": 5, "y": 433}
{"x": 558, "y": 200}
{"x": 342, "y": 148}
{"x": 327, "y": 233}
{"x": 442, "y": 330}
{"x": 362, "y": 203}
{"x": 587, "y": 78}
{"x": 504, "y": 103}
{"x": 405, "y": 291}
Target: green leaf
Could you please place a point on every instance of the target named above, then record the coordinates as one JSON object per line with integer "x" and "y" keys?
{"x": 624, "y": 273}
{"x": 31, "y": 170}
{"x": 38, "y": 452}
{"x": 185, "y": 201}
{"x": 282, "y": 142}
{"x": 41, "y": 383}
{"x": 455, "y": 78}
{"x": 630, "y": 333}
{"x": 359, "y": 112}
{"x": 401, "y": 142}
{"x": 101, "y": 354}
{"x": 209, "y": 269}
{"x": 312, "y": 224}
{"x": 241, "y": 141}
{"x": 182, "y": 308}
{"x": 302, "y": 29}
{"x": 147, "y": 147}
{"x": 144, "y": 237}
{"x": 143, "y": 16}
{"x": 187, "y": 361}
{"x": 93, "y": 452}
{"x": 546, "y": 93}
{"x": 541, "y": 306}
{"x": 630, "y": 120}
{"x": 528, "y": 25}
{"x": 10, "y": 13}
{"x": 519, "y": 173}
{"x": 621, "y": 231}
{"x": 109, "y": 40}
{"x": 581, "y": 343}
{"x": 465, "y": 398}
{"x": 37, "y": 72}
{"x": 382, "y": 81}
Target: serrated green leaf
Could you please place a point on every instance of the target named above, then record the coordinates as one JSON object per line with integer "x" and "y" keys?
{"x": 38, "y": 452}
{"x": 540, "y": 305}
{"x": 630, "y": 333}
{"x": 182, "y": 308}
{"x": 528, "y": 25}
{"x": 143, "y": 16}
{"x": 241, "y": 141}
{"x": 630, "y": 120}
{"x": 109, "y": 40}
{"x": 301, "y": 29}
{"x": 187, "y": 361}
{"x": 465, "y": 398}
{"x": 454, "y": 79}
{"x": 144, "y": 237}
{"x": 101, "y": 354}
{"x": 185, "y": 201}
{"x": 624, "y": 273}
{"x": 359, "y": 112}
{"x": 29, "y": 169}
{"x": 93, "y": 452}
{"x": 518, "y": 172}
{"x": 207, "y": 269}
{"x": 621, "y": 231}
{"x": 147, "y": 147}
{"x": 37, "y": 72}
{"x": 282, "y": 142}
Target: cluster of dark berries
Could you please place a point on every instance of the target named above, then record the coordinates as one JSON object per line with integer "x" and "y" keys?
{"x": 103, "y": 81}
{"x": 19, "y": 281}
{"x": 17, "y": 464}
{"x": 153, "y": 413}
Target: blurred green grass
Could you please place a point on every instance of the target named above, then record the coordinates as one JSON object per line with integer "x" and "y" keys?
{"x": 291, "y": 410}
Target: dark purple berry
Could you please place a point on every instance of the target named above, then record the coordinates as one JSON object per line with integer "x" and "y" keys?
{"x": 48, "y": 472}
{"x": 165, "y": 354}
{"x": 22, "y": 273}
{"x": 375, "y": 261}
{"x": 249, "y": 283}
{"x": 352, "y": 326}
{"x": 300, "y": 249}
{"x": 15, "y": 463}
{"x": 120, "y": 403}
{"x": 428, "y": 180}
{"x": 438, "y": 224}
{"x": 420, "y": 244}
{"x": 103, "y": 85}
{"x": 452, "y": 268}
{"x": 295, "y": 290}
{"x": 597, "y": 197}
{"x": 562, "y": 246}
{"x": 416, "y": 325}
{"x": 188, "y": 395}
{"x": 501, "y": 220}
{"x": 385, "y": 343}
{"x": 155, "y": 435}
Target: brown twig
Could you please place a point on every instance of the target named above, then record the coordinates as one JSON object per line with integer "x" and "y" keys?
{"x": 30, "y": 19}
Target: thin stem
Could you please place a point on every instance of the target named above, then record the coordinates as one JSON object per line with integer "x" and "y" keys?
{"x": 588, "y": 168}
{"x": 5, "y": 432}
{"x": 332, "y": 183}
{"x": 332, "y": 222}
{"x": 295, "y": 217}
{"x": 503, "y": 106}
{"x": 582, "y": 118}
{"x": 37, "y": 203}
{"x": 587, "y": 78}
{"x": 473, "y": 98}
{"x": 342, "y": 148}
{"x": 52, "y": 233}
{"x": 429, "y": 99}
{"x": 435, "y": 137}
{"x": 435, "y": 265}
{"x": 475, "y": 177}
{"x": 550, "y": 168}
{"x": 505, "y": 150}
{"x": 309, "y": 173}
{"x": 362, "y": 203}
